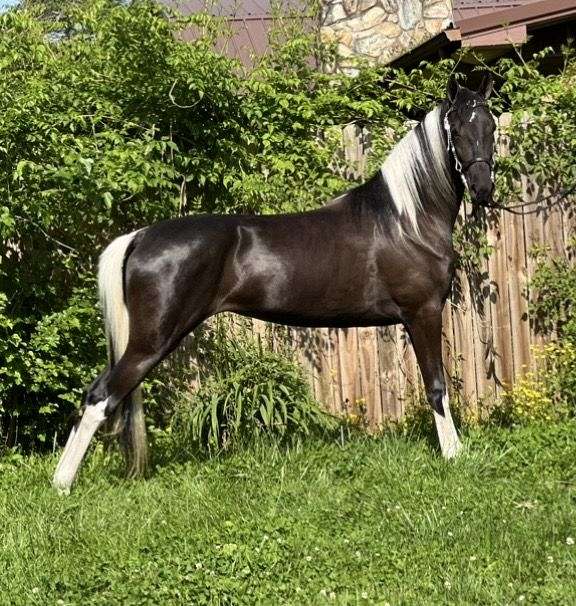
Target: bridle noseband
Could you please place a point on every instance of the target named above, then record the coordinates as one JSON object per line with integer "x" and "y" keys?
{"x": 460, "y": 167}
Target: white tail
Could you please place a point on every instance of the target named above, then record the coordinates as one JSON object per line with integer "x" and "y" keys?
{"x": 116, "y": 321}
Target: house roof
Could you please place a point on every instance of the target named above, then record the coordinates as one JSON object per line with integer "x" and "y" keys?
{"x": 514, "y": 23}
{"x": 250, "y": 21}
{"x": 494, "y": 27}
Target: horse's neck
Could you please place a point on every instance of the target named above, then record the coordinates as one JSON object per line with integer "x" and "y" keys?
{"x": 420, "y": 177}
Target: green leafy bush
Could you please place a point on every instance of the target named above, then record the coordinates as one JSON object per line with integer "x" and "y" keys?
{"x": 549, "y": 392}
{"x": 252, "y": 393}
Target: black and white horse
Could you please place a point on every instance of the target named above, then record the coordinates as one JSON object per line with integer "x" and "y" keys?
{"x": 377, "y": 255}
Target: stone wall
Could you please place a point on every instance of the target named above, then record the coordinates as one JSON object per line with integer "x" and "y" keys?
{"x": 381, "y": 30}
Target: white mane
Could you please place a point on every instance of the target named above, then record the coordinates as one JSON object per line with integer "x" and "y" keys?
{"x": 416, "y": 164}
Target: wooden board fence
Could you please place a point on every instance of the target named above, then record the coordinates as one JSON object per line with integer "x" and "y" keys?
{"x": 488, "y": 334}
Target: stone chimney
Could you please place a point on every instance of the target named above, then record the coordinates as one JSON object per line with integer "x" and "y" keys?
{"x": 381, "y": 30}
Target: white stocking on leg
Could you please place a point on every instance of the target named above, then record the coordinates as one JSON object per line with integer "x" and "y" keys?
{"x": 449, "y": 442}
{"x": 77, "y": 445}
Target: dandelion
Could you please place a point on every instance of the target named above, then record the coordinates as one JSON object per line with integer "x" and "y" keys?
{"x": 569, "y": 541}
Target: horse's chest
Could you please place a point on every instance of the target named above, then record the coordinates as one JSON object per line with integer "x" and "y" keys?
{"x": 407, "y": 277}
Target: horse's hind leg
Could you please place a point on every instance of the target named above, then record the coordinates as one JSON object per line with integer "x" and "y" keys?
{"x": 84, "y": 428}
{"x": 101, "y": 402}
{"x": 144, "y": 351}
{"x": 426, "y": 334}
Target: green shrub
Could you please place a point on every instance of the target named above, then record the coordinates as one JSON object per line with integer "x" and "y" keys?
{"x": 549, "y": 392}
{"x": 253, "y": 393}
{"x": 553, "y": 296}
{"x": 526, "y": 402}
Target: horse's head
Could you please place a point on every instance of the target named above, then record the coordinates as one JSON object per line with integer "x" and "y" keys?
{"x": 470, "y": 130}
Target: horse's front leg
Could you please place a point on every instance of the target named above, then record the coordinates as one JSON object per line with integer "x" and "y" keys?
{"x": 426, "y": 333}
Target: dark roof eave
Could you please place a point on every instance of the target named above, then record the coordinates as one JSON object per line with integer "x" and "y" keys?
{"x": 447, "y": 40}
{"x": 527, "y": 14}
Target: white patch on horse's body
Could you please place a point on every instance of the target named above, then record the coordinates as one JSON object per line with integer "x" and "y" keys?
{"x": 77, "y": 445}
{"x": 472, "y": 116}
{"x": 418, "y": 163}
{"x": 449, "y": 441}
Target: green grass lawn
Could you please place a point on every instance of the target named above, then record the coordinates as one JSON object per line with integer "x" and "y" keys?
{"x": 380, "y": 521}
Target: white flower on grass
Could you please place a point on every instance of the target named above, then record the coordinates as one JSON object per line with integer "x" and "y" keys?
{"x": 364, "y": 595}
{"x": 447, "y": 584}
{"x": 569, "y": 541}
{"x": 550, "y": 559}
{"x": 358, "y": 554}
{"x": 308, "y": 558}
{"x": 332, "y": 595}
{"x": 35, "y": 589}
{"x": 323, "y": 593}
{"x": 198, "y": 565}
{"x": 450, "y": 534}
{"x": 472, "y": 558}
{"x": 521, "y": 598}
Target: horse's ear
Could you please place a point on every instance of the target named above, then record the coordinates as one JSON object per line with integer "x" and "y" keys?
{"x": 486, "y": 86}
{"x": 453, "y": 87}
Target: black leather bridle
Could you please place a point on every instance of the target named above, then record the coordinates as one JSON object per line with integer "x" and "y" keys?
{"x": 460, "y": 167}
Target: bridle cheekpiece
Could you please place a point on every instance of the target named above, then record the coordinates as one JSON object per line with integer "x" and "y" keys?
{"x": 461, "y": 168}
